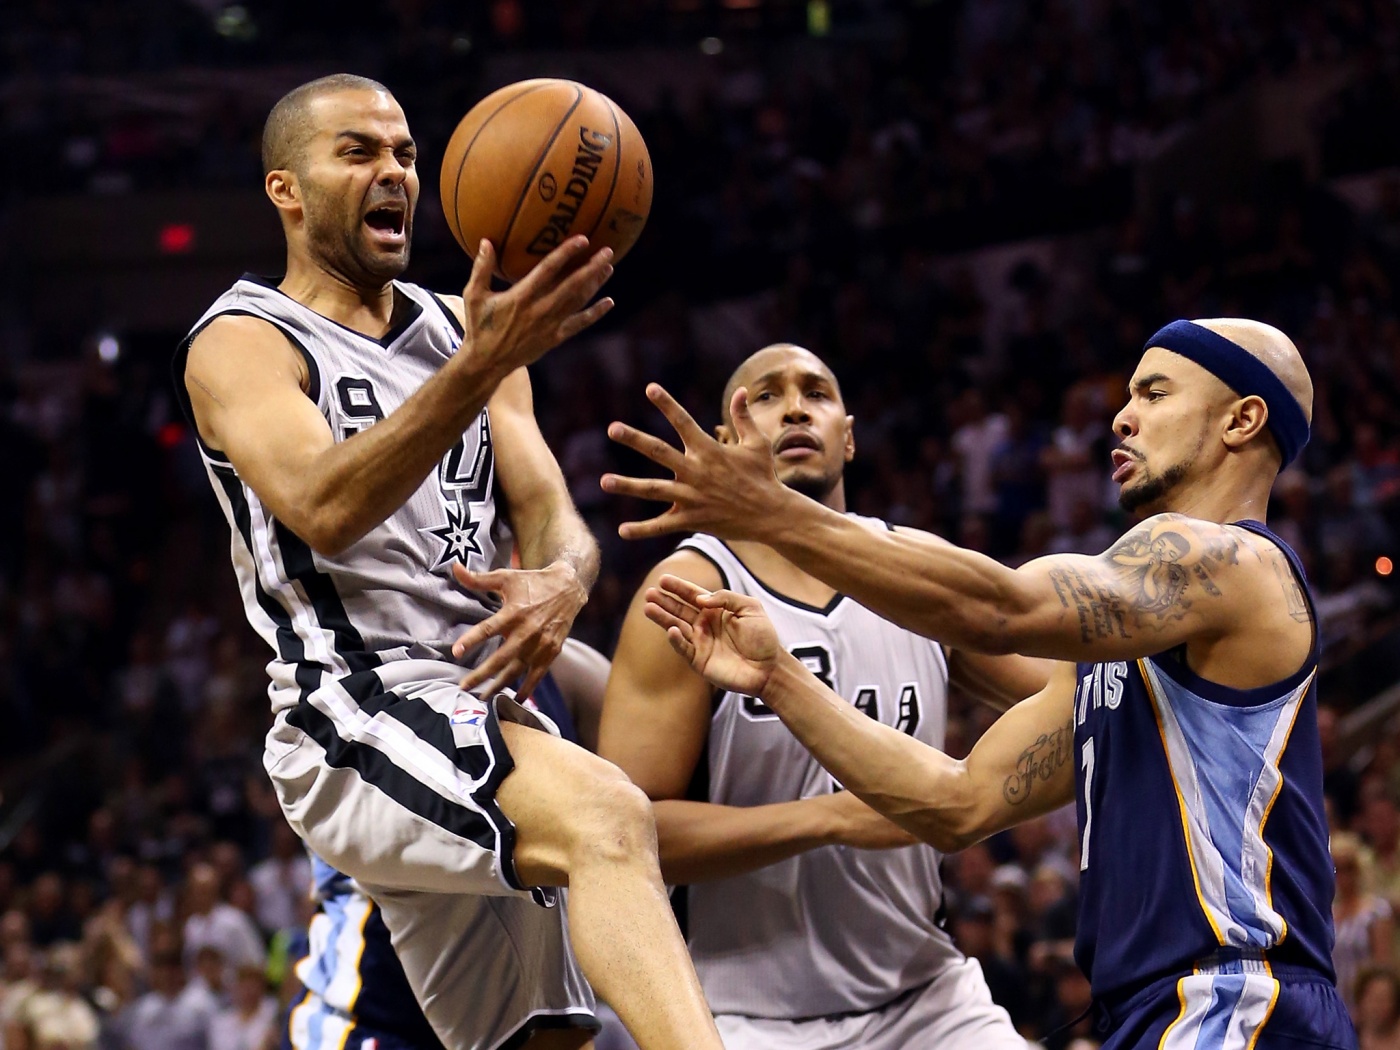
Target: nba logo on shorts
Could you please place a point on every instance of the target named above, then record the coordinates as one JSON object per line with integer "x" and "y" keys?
{"x": 469, "y": 712}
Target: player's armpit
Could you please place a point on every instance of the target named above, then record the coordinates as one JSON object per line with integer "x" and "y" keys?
{"x": 656, "y": 710}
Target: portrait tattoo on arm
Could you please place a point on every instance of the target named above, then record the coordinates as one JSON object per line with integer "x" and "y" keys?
{"x": 1152, "y": 577}
{"x": 1039, "y": 763}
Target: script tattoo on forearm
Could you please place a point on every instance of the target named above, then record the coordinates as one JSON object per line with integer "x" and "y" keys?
{"x": 1156, "y": 572}
{"x": 1039, "y": 763}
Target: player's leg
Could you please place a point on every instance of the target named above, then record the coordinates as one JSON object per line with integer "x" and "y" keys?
{"x": 580, "y": 822}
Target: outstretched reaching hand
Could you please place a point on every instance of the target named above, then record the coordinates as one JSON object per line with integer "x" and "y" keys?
{"x": 727, "y": 490}
{"x": 726, "y": 637}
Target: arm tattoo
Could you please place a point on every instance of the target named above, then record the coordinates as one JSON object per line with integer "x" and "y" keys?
{"x": 488, "y": 318}
{"x": 1038, "y": 763}
{"x": 1294, "y": 600}
{"x": 1150, "y": 581}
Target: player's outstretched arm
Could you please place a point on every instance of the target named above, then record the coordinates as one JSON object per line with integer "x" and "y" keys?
{"x": 558, "y": 555}
{"x": 247, "y": 387}
{"x": 1020, "y": 769}
{"x": 1170, "y": 579}
{"x": 656, "y": 718}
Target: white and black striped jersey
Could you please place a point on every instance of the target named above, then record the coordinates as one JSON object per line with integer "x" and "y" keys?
{"x": 833, "y": 930}
{"x": 391, "y": 594}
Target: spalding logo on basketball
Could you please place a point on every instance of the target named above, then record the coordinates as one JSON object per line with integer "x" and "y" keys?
{"x": 538, "y": 162}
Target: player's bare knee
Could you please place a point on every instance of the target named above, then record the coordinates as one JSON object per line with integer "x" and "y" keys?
{"x": 616, "y": 825}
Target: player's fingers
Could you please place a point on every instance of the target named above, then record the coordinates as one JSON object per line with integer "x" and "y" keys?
{"x": 681, "y": 589}
{"x": 681, "y": 644}
{"x": 661, "y": 525}
{"x": 532, "y": 679}
{"x": 726, "y": 600}
{"x": 660, "y": 452}
{"x": 689, "y": 430}
{"x": 668, "y": 622}
{"x": 479, "y": 632}
{"x": 584, "y": 319}
{"x": 540, "y": 280}
{"x": 508, "y": 677}
{"x": 582, "y": 284}
{"x": 744, "y": 426}
{"x": 669, "y": 603}
{"x": 491, "y": 667}
{"x": 659, "y": 490}
{"x": 483, "y": 266}
{"x": 490, "y": 581}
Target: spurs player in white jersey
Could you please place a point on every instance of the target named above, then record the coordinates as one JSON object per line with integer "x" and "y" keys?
{"x": 814, "y": 922}
{"x": 369, "y": 442}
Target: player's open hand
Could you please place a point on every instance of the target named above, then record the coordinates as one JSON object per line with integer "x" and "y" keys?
{"x": 727, "y": 637}
{"x": 537, "y": 612}
{"x": 727, "y": 490}
{"x": 516, "y": 327}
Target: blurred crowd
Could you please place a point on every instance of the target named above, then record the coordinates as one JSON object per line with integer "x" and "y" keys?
{"x": 151, "y": 896}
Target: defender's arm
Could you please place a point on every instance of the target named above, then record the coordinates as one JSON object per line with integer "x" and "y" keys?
{"x": 1019, "y": 769}
{"x": 656, "y": 719}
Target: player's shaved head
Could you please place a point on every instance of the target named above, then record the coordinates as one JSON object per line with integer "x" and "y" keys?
{"x": 762, "y": 361}
{"x": 1271, "y": 348}
{"x": 289, "y": 126}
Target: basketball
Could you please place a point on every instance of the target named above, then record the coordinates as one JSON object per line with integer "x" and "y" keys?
{"x": 538, "y": 162}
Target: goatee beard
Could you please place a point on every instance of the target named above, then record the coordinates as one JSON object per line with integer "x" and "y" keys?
{"x": 1155, "y": 488}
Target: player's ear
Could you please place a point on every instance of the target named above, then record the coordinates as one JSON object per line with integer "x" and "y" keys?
{"x": 282, "y": 189}
{"x": 850, "y": 438}
{"x": 724, "y": 434}
{"x": 1248, "y": 416}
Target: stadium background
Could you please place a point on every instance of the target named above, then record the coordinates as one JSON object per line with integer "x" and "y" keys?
{"x": 974, "y": 209}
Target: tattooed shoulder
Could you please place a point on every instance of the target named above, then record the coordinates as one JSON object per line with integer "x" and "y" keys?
{"x": 1294, "y": 600}
{"x": 1150, "y": 578}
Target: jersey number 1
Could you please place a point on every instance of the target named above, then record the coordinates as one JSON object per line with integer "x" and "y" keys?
{"x": 1086, "y": 763}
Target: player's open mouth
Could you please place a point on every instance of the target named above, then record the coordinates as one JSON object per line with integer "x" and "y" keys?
{"x": 796, "y": 445}
{"x": 1123, "y": 463}
{"x": 387, "y": 223}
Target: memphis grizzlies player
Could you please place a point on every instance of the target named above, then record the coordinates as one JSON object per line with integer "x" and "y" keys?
{"x": 793, "y": 881}
{"x": 1183, "y": 718}
{"x": 374, "y": 448}
{"x": 356, "y": 994}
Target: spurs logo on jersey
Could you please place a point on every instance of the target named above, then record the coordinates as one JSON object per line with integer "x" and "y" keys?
{"x": 786, "y": 941}
{"x": 391, "y": 594}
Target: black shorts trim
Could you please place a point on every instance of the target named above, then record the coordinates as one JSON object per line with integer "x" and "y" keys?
{"x": 377, "y": 769}
{"x": 547, "y": 1023}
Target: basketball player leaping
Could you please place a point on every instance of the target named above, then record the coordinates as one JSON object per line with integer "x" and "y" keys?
{"x": 356, "y": 430}
{"x": 1183, "y": 717}
{"x": 800, "y": 942}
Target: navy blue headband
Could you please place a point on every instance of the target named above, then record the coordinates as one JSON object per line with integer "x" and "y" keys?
{"x": 1243, "y": 373}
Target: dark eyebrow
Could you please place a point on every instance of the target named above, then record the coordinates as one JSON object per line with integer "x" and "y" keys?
{"x": 1138, "y": 385}
{"x": 366, "y": 139}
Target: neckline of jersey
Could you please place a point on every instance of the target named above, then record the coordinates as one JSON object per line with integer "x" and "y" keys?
{"x": 797, "y": 603}
{"x": 386, "y": 341}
